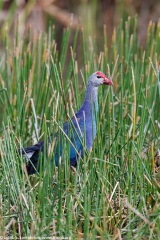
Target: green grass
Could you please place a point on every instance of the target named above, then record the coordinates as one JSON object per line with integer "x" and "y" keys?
{"x": 114, "y": 192}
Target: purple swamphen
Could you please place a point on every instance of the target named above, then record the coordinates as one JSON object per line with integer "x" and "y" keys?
{"x": 81, "y": 126}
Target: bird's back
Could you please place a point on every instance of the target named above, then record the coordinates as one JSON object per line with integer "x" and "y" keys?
{"x": 71, "y": 136}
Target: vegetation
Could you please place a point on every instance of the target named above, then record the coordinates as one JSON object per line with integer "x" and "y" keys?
{"x": 114, "y": 191}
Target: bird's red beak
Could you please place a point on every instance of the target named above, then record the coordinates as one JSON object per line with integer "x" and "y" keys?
{"x": 108, "y": 81}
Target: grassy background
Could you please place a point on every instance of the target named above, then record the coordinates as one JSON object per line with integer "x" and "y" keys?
{"x": 114, "y": 192}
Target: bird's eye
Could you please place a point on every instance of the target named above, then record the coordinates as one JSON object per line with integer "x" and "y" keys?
{"x": 98, "y": 76}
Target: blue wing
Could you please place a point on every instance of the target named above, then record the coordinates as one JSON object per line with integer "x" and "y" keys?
{"x": 74, "y": 131}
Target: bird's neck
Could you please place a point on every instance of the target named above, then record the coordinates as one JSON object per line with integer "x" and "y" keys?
{"x": 90, "y": 103}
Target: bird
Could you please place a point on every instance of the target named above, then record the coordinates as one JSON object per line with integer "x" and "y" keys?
{"x": 81, "y": 126}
